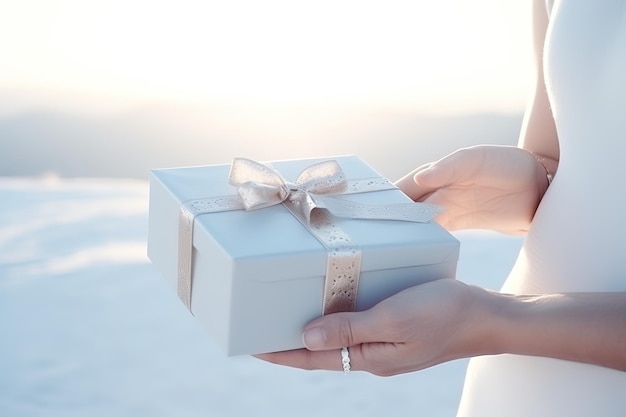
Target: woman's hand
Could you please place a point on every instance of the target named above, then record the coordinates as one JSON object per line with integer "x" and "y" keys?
{"x": 484, "y": 187}
{"x": 417, "y": 328}
{"x": 445, "y": 320}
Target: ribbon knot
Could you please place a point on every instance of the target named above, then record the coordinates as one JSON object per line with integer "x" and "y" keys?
{"x": 260, "y": 186}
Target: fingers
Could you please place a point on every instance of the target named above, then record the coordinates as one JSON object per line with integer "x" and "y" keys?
{"x": 417, "y": 192}
{"x": 304, "y": 359}
{"x": 456, "y": 167}
{"x": 377, "y": 358}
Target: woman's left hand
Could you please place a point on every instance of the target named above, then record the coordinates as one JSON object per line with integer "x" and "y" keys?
{"x": 481, "y": 187}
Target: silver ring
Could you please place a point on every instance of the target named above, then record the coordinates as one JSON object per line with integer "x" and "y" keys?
{"x": 345, "y": 360}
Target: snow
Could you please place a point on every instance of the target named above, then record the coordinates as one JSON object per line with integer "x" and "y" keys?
{"x": 89, "y": 327}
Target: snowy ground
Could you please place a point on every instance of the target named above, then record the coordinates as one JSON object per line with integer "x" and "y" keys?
{"x": 89, "y": 328}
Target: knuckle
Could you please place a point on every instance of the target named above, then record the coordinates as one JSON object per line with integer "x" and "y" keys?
{"x": 376, "y": 364}
{"x": 391, "y": 321}
{"x": 345, "y": 332}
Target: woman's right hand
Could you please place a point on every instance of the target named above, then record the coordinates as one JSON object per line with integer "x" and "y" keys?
{"x": 481, "y": 187}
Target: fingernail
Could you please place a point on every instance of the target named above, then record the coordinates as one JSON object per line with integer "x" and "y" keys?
{"x": 421, "y": 173}
{"x": 314, "y": 338}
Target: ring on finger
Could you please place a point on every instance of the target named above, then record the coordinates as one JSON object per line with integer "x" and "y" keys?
{"x": 345, "y": 360}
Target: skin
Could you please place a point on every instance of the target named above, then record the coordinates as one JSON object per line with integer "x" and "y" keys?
{"x": 489, "y": 187}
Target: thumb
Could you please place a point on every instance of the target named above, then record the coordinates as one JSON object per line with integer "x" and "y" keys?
{"x": 411, "y": 188}
{"x": 438, "y": 175}
{"x": 338, "y": 330}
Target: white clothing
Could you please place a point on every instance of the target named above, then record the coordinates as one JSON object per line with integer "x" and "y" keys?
{"x": 577, "y": 239}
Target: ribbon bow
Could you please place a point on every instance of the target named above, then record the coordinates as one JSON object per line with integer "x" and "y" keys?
{"x": 260, "y": 186}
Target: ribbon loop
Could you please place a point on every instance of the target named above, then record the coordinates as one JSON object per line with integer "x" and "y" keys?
{"x": 246, "y": 170}
{"x": 258, "y": 185}
{"x": 325, "y": 177}
{"x": 257, "y": 196}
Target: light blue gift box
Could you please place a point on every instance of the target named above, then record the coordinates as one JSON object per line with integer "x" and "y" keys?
{"x": 258, "y": 276}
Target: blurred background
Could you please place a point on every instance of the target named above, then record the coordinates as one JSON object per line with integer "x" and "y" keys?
{"x": 94, "y": 94}
{"x": 114, "y": 88}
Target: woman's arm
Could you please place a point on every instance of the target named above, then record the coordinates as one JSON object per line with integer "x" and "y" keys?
{"x": 580, "y": 327}
{"x": 538, "y": 134}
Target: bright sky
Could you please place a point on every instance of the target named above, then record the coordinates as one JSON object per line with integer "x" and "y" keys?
{"x": 441, "y": 56}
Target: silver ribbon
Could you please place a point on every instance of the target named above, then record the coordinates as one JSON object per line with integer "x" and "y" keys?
{"x": 311, "y": 200}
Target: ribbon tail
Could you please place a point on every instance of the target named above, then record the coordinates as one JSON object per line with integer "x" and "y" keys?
{"x": 408, "y": 212}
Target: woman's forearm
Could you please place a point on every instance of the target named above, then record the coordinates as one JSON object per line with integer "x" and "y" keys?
{"x": 580, "y": 327}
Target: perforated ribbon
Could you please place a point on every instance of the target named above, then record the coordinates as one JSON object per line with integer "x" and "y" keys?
{"x": 312, "y": 200}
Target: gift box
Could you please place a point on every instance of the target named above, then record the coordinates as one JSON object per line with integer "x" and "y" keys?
{"x": 256, "y": 251}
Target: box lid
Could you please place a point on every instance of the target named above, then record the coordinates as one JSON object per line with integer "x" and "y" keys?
{"x": 260, "y": 239}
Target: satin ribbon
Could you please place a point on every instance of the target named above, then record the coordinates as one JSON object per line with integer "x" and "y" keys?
{"x": 311, "y": 199}
{"x": 260, "y": 186}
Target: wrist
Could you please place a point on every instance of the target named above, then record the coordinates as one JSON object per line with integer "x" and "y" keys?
{"x": 546, "y": 170}
{"x": 542, "y": 161}
{"x": 496, "y": 321}
{"x": 517, "y": 324}
{"x": 485, "y": 328}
